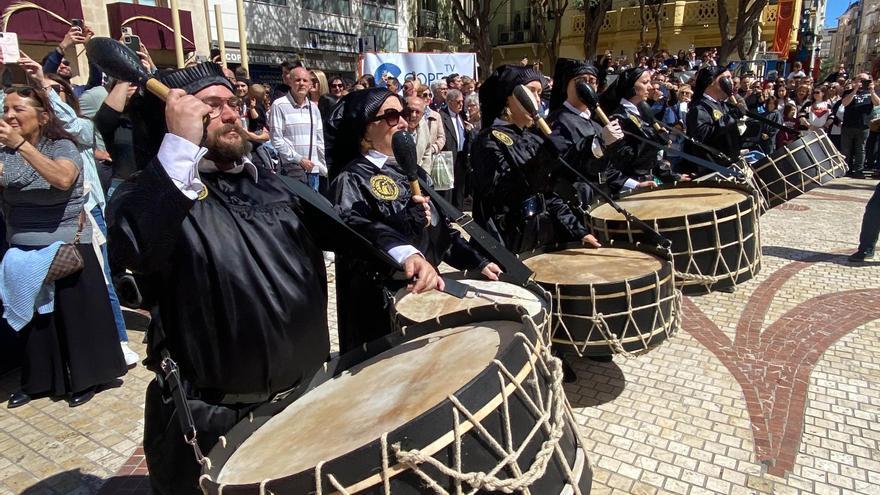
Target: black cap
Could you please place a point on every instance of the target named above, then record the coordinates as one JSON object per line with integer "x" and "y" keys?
{"x": 196, "y": 78}
{"x": 347, "y": 124}
{"x": 495, "y": 90}
{"x": 622, "y": 88}
{"x": 704, "y": 78}
{"x": 567, "y": 69}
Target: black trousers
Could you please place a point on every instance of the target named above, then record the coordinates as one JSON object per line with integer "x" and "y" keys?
{"x": 870, "y": 223}
{"x": 170, "y": 460}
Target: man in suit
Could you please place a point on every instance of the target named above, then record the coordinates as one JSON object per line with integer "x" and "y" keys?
{"x": 457, "y": 130}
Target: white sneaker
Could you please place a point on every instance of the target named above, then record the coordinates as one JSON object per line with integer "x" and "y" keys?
{"x": 131, "y": 357}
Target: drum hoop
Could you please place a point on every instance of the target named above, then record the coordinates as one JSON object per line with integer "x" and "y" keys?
{"x": 242, "y": 430}
{"x": 712, "y": 183}
{"x": 721, "y": 220}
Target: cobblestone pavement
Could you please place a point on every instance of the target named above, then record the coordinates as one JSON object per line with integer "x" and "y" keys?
{"x": 771, "y": 389}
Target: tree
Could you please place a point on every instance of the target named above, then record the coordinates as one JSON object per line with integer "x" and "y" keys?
{"x": 474, "y": 26}
{"x": 655, "y": 8}
{"x": 748, "y": 13}
{"x": 594, "y": 16}
{"x": 542, "y": 12}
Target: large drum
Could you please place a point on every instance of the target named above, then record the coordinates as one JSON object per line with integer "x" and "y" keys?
{"x": 713, "y": 226}
{"x": 412, "y": 308}
{"x": 469, "y": 402}
{"x": 798, "y": 167}
{"x": 618, "y": 299}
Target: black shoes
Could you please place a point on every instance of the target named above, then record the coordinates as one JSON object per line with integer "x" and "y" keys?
{"x": 18, "y": 399}
{"x": 81, "y": 398}
{"x": 860, "y": 256}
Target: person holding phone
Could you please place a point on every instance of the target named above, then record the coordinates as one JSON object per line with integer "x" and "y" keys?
{"x": 56, "y": 62}
{"x": 858, "y": 102}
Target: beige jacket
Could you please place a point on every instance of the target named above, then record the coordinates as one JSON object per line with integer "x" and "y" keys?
{"x": 430, "y": 139}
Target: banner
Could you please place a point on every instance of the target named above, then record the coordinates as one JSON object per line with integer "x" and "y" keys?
{"x": 426, "y": 67}
{"x": 784, "y": 22}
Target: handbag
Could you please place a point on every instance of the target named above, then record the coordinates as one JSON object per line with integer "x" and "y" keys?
{"x": 67, "y": 260}
{"x": 442, "y": 173}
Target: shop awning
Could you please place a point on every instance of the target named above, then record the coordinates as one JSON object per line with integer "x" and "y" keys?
{"x": 152, "y": 24}
{"x": 36, "y": 24}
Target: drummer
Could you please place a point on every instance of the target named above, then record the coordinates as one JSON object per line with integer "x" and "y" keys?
{"x": 372, "y": 194}
{"x": 586, "y": 139}
{"x": 712, "y": 121}
{"x": 642, "y": 165}
{"x": 516, "y": 190}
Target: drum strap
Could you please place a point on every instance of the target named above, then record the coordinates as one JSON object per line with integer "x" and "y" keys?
{"x": 516, "y": 271}
{"x": 171, "y": 377}
{"x": 764, "y": 120}
{"x": 726, "y": 172}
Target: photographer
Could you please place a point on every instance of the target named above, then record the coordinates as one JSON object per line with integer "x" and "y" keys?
{"x": 55, "y": 61}
{"x": 858, "y": 102}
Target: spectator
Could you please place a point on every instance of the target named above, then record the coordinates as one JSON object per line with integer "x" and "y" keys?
{"x": 328, "y": 100}
{"x": 411, "y": 87}
{"x": 840, "y": 73}
{"x": 797, "y": 71}
{"x": 870, "y": 229}
{"x": 781, "y": 94}
{"x": 56, "y": 61}
{"x": 392, "y": 84}
{"x": 319, "y": 86}
{"x": 789, "y": 120}
{"x": 114, "y": 125}
{"x": 426, "y": 127}
{"x": 472, "y": 107}
{"x": 468, "y": 86}
{"x": 297, "y": 133}
{"x": 241, "y": 73}
{"x": 282, "y": 88}
{"x": 817, "y": 111}
{"x": 367, "y": 81}
{"x": 67, "y": 351}
{"x": 242, "y": 86}
{"x": 858, "y": 102}
{"x": 456, "y": 130}
{"x": 438, "y": 90}
{"x": 257, "y": 129}
{"x": 453, "y": 81}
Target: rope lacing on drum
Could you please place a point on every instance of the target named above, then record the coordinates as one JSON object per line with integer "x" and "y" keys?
{"x": 834, "y": 157}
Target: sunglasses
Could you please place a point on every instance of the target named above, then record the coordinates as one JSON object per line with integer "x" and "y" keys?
{"x": 426, "y": 95}
{"x": 391, "y": 117}
{"x": 337, "y": 85}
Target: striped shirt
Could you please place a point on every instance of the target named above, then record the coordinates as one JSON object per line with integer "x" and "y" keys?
{"x": 292, "y": 127}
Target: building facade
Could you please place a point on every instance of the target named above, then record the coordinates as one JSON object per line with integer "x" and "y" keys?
{"x": 845, "y": 41}
{"x": 432, "y": 28}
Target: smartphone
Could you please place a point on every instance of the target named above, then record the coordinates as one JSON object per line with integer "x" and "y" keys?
{"x": 132, "y": 41}
{"x": 8, "y": 48}
{"x": 77, "y": 23}
{"x": 866, "y": 84}
{"x": 126, "y": 30}
{"x": 200, "y": 59}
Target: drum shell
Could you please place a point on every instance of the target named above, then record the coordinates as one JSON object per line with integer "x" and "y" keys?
{"x": 704, "y": 243}
{"x": 364, "y": 462}
{"x": 652, "y": 294}
{"x": 801, "y": 165}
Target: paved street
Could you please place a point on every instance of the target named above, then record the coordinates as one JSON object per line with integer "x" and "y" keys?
{"x": 771, "y": 390}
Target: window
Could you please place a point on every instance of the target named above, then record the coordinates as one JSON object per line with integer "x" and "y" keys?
{"x": 270, "y": 2}
{"x": 338, "y": 7}
{"x": 386, "y": 39}
{"x": 381, "y": 10}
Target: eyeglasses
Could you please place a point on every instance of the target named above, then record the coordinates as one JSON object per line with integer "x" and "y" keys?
{"x": 217, "y": 104}
{"x": 337, "y": 85}
{"x": 408, "y": 112}
{"x": 391, "y": 117}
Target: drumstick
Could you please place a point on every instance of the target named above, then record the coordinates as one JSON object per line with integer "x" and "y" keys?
{"x": 404, "y": 148}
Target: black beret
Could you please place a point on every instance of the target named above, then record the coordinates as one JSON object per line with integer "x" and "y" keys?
{"x": 621, "y": 88}
{"x": 348, "y": 121}
{"x": 566, "y": 70}
{"x": 495, "y": 90}
{"x": 196, "y": 78}
{"x": 704, "y": 78}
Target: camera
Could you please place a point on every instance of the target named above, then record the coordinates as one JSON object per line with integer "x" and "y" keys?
{"x": 866, "y": 83}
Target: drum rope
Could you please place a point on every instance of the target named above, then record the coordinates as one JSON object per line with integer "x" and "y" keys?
{"x": 551, "y": 418}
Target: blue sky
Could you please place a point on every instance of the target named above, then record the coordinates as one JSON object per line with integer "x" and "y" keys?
{"x": 833, "y": 9}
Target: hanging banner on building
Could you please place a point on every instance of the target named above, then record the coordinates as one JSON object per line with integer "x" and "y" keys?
{"x": 784, "y": 22}
{"x": 426, "y": 67}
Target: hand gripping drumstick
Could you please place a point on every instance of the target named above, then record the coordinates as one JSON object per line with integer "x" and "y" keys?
{"x": 521, "y": 93}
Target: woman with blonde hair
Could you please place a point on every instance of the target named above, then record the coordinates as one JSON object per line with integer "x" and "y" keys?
{"x": 319, "y": 85}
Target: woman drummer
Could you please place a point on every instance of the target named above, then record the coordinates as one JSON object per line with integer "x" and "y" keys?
{"x": 642, "y": 163}
{"x": 373, "y": 196}
{"x": 518, "y": 195}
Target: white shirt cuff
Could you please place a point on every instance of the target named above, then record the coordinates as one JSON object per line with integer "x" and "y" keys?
{"x": 401, "y": 253}
{"x": 630, "y": 184}
{"x": 180, "y": 159}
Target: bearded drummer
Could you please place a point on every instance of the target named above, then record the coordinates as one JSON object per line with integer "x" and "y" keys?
{"x": 372, "y": 194}
{"x": 519, "y": 196}
{"x": 642, "y": 164}
{"x": 712, "y": 121}
{"x": 585, "y": 138}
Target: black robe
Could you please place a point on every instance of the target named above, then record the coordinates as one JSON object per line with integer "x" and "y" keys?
{"x": 521, "y": 196}
{"x": 635, "y": 159}
{"x": 579, "y": 135}
{"x": 712, "y": 123}
{"x": 373, "y": 202}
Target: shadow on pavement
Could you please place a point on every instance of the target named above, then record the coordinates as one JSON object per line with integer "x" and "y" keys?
{"x": 849, "y": 186}
{"x": 597, "y": 383}
{"x": 796, "y": 254}
{"x": 133, "y": 484}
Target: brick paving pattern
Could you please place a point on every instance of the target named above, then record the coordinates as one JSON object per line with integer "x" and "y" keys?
{"x": 769, "y": 390}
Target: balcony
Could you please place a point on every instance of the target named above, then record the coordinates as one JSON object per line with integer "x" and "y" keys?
{"x": 429, "y": 26}
{"x": 508, "y": 36}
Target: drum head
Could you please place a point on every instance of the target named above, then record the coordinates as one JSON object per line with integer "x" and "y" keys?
{"x": 429, "y": 305}
{"x": 592, "y": 266}
{"x": 672, "y": 202}
{"x": 374, "y": 397}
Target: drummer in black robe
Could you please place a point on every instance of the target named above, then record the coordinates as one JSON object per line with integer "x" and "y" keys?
{"x": 643, "y": 165}
{"x": 232, "y": 262}
{"x": 586, "y": 139}
{"x": 521, "y": 196}
{"x": 712, "y": 121}
{"x": 373, "y": 196}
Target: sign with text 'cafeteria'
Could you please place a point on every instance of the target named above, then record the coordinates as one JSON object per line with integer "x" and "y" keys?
{"x": 426, "y": 67}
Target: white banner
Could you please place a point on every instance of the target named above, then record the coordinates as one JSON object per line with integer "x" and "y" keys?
{"x": 427, "y": 67}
